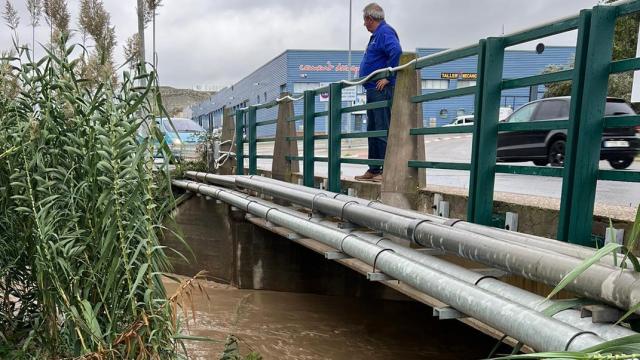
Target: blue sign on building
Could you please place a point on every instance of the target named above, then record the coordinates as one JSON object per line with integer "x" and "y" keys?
{"x": 295, "y": 71}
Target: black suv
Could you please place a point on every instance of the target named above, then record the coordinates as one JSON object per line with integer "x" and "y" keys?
{"x": 619, "y": 145}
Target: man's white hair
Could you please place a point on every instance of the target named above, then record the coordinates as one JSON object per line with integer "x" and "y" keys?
{"x": 374, "y": 11}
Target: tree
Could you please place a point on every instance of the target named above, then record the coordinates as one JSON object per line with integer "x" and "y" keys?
{"x": 625, "y": 39}
{"x": 10, "y": 16}
{"x": 35, "y": 12}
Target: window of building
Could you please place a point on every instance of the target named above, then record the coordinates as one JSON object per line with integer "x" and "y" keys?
{"x": 265, "y": 96}
{"x": 258, "y": 99}
{"x": 283, "y": 88}
{"x": 300, "y": 87}
{"x": 435, "y": 84}
{"x": 465, "y": 83}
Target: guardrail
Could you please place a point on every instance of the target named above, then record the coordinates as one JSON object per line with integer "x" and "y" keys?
{"x": 585, "y": 125}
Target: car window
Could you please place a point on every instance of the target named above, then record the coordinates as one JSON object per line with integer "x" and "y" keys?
{"x": 183, "y": 125}
{"x": 552, "y": 109}
{"x": 523, "y": 114}
{"x": 618, "y": 108}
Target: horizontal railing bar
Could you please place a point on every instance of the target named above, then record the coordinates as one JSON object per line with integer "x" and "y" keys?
{"x": 295, "y": 138}
{"x": 619, "y": 175}
{"x": 548, "y": 29}
{"x": 324, "y": 89}
{"x": 444, "y": 94}
{"x": 321, "y": 137}
{"x": 268, "y": 139}
{"x": 268, "y": 122}
{"x": 296, "y": 118}
{"x": 264, "y": 156}
{"x": 268, "y": 105}
{"x": 368, "y": 106}
{"x": 529, "y": 170}
{"x": 627, "y": 7}
{"x": 624, "y": 65}
{"x": 378, "y": 162}
{"x": 321, "y": 159}
{"x": 364, "y": 134}
{"x": 378, "y": 76}
{"x": 321, "y": 113}
{"x": 439, "y": 165}
{"x": 442, "y": 130}
{"x": 621, "y": 121}
{"x": 563, "y": 75}
{"x": 534, "y": 125}
{"x": 293, "y": 158}
{"x": 446, "y": 56}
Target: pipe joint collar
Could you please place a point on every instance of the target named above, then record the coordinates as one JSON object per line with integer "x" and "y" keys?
{"x": 411, "y": 230}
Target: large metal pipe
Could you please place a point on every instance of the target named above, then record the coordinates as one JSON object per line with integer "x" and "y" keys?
{"x": 614, "y": 286}
{"x": 578, "y": 251}
{"x": 540, "y": 332}
{"x": 494, "y": 286}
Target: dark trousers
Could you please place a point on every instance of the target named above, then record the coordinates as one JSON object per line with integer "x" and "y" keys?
{"x": 378, "y": 119}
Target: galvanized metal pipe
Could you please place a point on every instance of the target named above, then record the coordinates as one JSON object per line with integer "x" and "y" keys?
{"x": 614, "y": 286}
{"x": 541, "y": 332}
{"x": 538, "y": 242}
{"x": 494, "y": 286}
{"x": 578, "y": 251}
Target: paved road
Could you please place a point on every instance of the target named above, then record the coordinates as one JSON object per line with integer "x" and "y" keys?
{"x": 457, "y": 148}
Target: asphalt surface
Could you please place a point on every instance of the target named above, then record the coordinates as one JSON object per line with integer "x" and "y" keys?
{"x": 457, "y": 148}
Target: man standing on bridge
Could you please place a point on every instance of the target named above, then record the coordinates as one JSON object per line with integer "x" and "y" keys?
{"x": 383, "y": 51}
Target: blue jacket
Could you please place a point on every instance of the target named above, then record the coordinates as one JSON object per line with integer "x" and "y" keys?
{"x": 382, "y": 51}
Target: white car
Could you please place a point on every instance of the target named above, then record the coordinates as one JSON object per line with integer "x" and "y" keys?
{"x": 462, "y": 120}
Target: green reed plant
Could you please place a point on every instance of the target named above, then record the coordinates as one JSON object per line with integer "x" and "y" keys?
{"x": 81, "y": 209}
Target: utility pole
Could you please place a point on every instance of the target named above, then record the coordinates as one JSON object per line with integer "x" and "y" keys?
{"x": 349, "y": 74}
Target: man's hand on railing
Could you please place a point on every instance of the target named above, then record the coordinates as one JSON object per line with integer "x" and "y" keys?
{"x": 380, "y": 84}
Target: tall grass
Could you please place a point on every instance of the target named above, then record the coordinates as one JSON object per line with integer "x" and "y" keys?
{"x": 80, "y": 261}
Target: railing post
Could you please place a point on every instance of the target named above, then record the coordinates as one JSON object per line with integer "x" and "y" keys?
{"x": 253, "y": 143}
{"x": 308, "y": 142}
{"x": 400, "y": 182}
{"x": 239, "y": 142}
{"x": 582, "y": 154}
{"x": 282, "y": 168}
{"x": 228, "y": 131}
{"x": 485, "y": 135}
{"x": 335, "y": 133}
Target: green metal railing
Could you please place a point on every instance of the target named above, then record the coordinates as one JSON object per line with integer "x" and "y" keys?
{"x": 246, "y": 118}
{"x": 584, "y": 127}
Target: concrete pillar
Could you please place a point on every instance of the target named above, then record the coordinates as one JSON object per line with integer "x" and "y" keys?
{"x": 400, "y": 182}
{"x": 281, "y": 167}
{"x": 228, "y": 134}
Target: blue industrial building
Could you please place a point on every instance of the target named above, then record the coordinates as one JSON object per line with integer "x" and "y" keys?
{"x": 294, "y": 71}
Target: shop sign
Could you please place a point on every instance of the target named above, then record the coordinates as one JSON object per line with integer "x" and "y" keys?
{"x": 456, "y": 75}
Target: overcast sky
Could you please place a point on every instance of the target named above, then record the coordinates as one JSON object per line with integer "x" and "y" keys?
{"x": 217, "y": 42}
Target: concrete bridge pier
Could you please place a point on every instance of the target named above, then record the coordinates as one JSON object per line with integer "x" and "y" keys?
{"x": 235, "y": 251}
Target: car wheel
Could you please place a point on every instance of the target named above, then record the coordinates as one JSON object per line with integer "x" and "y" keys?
{"x": 540, "y": 162}
{"x": 555, "y": 156}
{"x": 621, "y": 163}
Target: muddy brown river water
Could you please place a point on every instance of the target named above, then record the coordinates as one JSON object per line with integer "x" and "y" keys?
{"x": 281, "y": 325}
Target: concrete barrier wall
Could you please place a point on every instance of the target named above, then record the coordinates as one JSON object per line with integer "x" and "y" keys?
{"x": 232, "y": 250}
